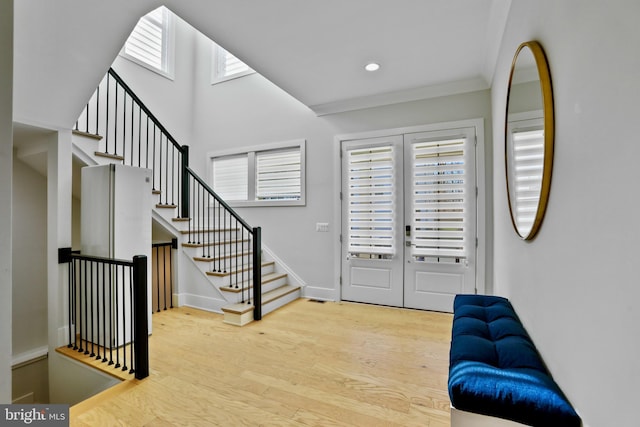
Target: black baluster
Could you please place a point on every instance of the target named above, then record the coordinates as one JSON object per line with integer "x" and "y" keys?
{"x": 160, "y": 170}
{"x": 106, "y": 136}
{"x": 158, "y": 276}
{"x": 147, "y": 146}
{"x": 104, "y": 312}
{"x": 139, "y": 136}
{"x": 111, "y": 341}
{"x": 132, "y": 319}
{"x": 124, "y": 320}
{"x": 116, "y": 287}
{"x": 92, "y": 315}
{"x": 174, "y": 245}
{"x": 70, "y": 300}
{"x": 115, "y": 123}
{"x": 83, "y": 303}
{"x": 98, "y": 309}
{"x": 97, "y": 108}
{"x": 166, "y": 171}
{"x": 164, "y": 265}
{"x": 153, "y": 159}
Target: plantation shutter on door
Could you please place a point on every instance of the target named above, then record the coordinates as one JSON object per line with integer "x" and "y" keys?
{"x": 440, "y": 200}
{"x": 528, "y": 155}
{"x": 371, "y": 192}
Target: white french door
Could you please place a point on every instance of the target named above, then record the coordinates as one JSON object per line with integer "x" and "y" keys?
{"x": 409, "y": 219}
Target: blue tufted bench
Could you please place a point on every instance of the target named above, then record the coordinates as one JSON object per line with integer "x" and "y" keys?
{"x": 495, "y": 369}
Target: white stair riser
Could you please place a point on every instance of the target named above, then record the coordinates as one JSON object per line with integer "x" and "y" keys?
{"x": 220, "y": 281}
{"x": 276, "y": 304}
{"x": 234, "y": 297}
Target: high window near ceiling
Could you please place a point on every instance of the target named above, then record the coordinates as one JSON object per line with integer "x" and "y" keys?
{"x": 269, "y": 175}
{"x": 226, "y": 66}
{"x": 151, "y": 42}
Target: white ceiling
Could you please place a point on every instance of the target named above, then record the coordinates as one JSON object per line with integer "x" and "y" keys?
{"x": 313, "y": 49}
{"x": 316, "y": 50}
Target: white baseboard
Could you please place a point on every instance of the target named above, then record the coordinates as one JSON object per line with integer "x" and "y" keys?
{"x": 200, "y": 302}
{"x": 469, "y": 419}
{"x": 323, "y": 294}
{"x": 28, "y": 356}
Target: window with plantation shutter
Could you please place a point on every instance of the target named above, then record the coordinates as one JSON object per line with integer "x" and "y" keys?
{"x": 149, "y": 43}
{"x": 278, "y": 174}
{"x": 230, "y": 177}
{"x": 440, "y": 199}
{"x": 267, "y": 175}
{"x": 227, "y": 66}
{"x": 371, "y": 205}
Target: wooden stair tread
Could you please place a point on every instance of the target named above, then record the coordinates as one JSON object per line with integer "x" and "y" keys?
{"x": 225, "y": 242}
{"x": 242, "y": 307}
{"x": 278, "y": 293}
{"x": 156, "y": 192}
{"x": 266, "y": 278}
{"x": 109, "y": 156}
{"x": 180, "y": 219}
{"x": 230, "y": 272}
{"x": 208, "y": 230}
{"x": 167, "y": 206}
{"x": 227, "y": 256}
{"x": 87, "y": 134}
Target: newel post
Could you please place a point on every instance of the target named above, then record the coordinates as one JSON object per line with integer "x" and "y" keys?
{"x": 257, "y": 273}
{"x": 184, "y": 213}
{"x": 141, "y": 317}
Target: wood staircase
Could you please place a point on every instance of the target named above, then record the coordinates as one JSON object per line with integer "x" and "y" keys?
{"x": 276, "y": 290}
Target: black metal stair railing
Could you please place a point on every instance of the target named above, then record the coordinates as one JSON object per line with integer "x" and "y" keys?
{"x": 132, "y": 134}
{"x": 108, "y": 310}
{"x": 230, "y": 244}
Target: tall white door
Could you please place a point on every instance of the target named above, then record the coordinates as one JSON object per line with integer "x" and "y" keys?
{"x": 409, "y": 219}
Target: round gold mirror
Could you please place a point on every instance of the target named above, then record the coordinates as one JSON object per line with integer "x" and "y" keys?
{"x": 529, "y": 133}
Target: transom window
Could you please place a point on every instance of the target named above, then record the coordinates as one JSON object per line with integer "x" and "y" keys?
{"x": 226, "y": 66}
{"x": 270, "y": 175}
{"x": 151, "y": 42}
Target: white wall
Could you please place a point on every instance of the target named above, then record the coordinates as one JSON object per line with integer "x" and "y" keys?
{"x": 6, "y": 172}
{"x": 576, "y": 285}
{"x": 251, "y": 111}
{"x": 28, "y": 254}
{"x": 170, "y": 100}
{"x": 62, "y": 51}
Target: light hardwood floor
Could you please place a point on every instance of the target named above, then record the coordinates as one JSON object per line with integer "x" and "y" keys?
{"x": 307, "y": 364}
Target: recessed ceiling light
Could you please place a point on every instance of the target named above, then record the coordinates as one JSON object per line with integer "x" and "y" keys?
{"x": 372, "y": 66}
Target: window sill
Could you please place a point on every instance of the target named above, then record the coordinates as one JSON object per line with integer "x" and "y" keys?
{"x": 265, "y": 204}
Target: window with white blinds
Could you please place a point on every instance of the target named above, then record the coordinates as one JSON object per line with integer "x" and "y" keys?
{"x": 439, "y": 199}
{"x": 268, "y": 175}
{"x": 227, "y": 66}
{"x": 278, "y": 174}
{"x": 371, "y": 200}
{"x": 528, "y": 162}
{"x": 149, "y": 43}
{"x": 230, "y": 177}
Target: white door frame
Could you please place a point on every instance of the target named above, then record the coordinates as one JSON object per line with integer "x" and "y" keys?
{"x": 478, "y": 124}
